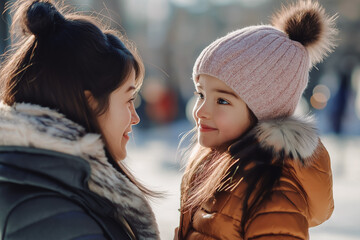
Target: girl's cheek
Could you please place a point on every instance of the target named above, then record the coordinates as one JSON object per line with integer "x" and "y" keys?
{"x": 222, "y": 116}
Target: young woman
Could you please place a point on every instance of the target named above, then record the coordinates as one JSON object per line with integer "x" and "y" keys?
{"x": 66, "y": 112}
{"x": 256, "y": 171}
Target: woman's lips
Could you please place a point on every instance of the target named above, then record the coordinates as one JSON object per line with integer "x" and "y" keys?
{"x": 126, "y": 136}
{"x": 205, "y": 128}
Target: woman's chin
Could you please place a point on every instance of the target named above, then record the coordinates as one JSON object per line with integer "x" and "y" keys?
{"x": 122, "y": 156}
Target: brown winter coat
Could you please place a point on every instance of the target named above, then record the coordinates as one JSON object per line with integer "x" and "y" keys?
{"x": 291, "y": 210}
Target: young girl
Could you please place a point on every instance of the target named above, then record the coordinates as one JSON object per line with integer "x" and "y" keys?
{"x": 257, "y": 171}
{"x": 65, "y": 117}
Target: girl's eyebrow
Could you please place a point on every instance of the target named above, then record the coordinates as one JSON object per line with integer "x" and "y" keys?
{"x": 226, "y": 92}
{"x": 220, "y": 91}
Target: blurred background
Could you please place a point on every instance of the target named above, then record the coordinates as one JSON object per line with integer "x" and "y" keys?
{"x": 170, "y": 34}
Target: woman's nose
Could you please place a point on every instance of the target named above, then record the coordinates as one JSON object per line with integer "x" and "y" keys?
{"x": 135, "y": 119}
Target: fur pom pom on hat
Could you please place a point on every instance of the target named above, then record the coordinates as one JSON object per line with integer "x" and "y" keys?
{"x": 268, "y": 65}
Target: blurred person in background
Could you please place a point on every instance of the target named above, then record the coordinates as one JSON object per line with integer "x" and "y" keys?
{"x": 341, "y": 97}
{"x": 256, "y": 171}
{"x": 66, "y": 112}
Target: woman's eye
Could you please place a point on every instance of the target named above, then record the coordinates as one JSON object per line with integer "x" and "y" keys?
{"x": 200, "y": 95}
{"x": 222, "y": 101}
{"x": 131, "y": 100}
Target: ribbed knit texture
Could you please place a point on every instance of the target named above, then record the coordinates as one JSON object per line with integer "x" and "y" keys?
{"x": 262, "y": 65}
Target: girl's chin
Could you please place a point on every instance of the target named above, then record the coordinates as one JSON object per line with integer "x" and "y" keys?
{"x": 217, "y": 147}
{"x": 207, "y": 144}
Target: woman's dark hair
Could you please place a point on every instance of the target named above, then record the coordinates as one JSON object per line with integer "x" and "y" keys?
{"x": 58, "y": 56}
{"x": 61, "y": 56}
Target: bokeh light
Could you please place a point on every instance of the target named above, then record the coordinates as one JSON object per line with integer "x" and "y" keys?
{"x": 320, "y": 97}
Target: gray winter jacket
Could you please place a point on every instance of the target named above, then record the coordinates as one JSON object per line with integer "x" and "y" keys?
{"x": 56, "y": 182}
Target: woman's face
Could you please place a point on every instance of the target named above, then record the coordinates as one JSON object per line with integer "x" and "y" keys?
{"x": 220, "y": 114}
{"x": 116, "y": 123}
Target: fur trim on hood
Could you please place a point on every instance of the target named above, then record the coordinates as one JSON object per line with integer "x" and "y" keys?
{"x": 292, "y": 137}
{"x": 291, "y": 144}
{"x": 295, "y": 137}
{"x": 35, "y": 126}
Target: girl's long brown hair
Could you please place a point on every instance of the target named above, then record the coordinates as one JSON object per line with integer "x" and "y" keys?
{"x": 58, "y": 56}
{"x": 243, "y": 160}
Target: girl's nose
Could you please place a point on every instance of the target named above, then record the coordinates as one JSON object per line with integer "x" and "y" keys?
{"x": 202, "y": 110}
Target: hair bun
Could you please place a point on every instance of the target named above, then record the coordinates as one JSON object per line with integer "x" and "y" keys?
{"x": 42, "y": 18}
{"x": 307, "y": 23}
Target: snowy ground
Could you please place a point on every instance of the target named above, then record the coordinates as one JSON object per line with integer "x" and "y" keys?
{"x": 152, "y": 158}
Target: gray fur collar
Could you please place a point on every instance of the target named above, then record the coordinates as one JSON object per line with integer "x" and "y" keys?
{"x": 295, "y": 137}
{"x": 34, "y": 126}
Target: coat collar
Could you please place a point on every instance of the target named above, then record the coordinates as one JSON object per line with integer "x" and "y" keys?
{"x": 294, "y": 143}
{"x": 30, "y": 125}
{"x": 294, "y": 137}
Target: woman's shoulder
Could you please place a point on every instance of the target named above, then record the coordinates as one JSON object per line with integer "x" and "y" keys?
{"x": 39, "y": 190}
{"x": 35, "y": 213}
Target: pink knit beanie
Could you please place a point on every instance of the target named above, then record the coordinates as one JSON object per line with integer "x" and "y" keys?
{"x": 268, "y": 66}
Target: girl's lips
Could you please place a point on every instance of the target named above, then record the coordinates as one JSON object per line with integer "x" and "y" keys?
{"x": 205, "y": 128}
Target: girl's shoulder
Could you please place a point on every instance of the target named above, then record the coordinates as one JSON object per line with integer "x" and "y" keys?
{"x": 293, "y": 145}
{"x": 307, "y": 166}
{"x": 315, "y": 180}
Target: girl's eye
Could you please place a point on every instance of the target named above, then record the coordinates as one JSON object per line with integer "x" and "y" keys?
{"x": 200, "y": 95}
{"x": 222, "y": 101}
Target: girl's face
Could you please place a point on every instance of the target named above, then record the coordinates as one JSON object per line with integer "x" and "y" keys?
{"x": 116, "y": 122}
{"x": 220, "y": 114}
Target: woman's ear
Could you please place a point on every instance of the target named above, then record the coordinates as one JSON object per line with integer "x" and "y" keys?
{"x": 90, "y": 99}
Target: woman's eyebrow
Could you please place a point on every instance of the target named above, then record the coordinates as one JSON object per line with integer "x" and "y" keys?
{"x": 131, "y": 88}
